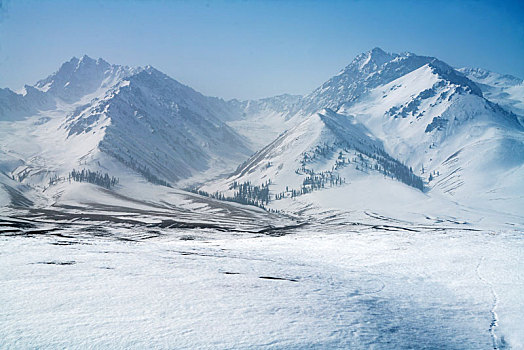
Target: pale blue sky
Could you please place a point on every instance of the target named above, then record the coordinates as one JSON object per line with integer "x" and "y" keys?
{"x": 252, "y": 49}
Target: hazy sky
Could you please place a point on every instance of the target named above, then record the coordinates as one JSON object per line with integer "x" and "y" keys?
{"x": 252, "y": 49}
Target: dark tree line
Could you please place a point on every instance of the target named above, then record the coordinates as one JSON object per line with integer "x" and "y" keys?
{"x": 319, "y": 151}
{"x": 94, "y": 177}
{"x": 390, "y": 167}
{"x": 245, "y": 193}
{"x": 383, "y": 163}
{"x": 314, "y": 181}
{"x": 320, "y": 180}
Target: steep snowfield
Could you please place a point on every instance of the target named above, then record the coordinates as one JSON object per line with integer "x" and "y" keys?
{"x": 423, "y": 109}
{"x": 161, "y": 127}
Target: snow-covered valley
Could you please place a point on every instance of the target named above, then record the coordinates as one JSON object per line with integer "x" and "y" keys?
{"x": 382, "y": 210}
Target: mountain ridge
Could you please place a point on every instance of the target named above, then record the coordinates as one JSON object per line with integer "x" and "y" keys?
{"x": 415, "y": 113}
{"x": 179, "y": 132}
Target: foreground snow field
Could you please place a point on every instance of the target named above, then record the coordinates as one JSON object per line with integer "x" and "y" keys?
{"x": 345, "y": 287}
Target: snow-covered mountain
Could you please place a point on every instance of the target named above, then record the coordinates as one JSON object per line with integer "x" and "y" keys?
{"x": 160, "y": 127}
{"x": 370, "y": 70}
{"x": 80, "y": 77}
{"x": 395, "y": 118}
{"x": 94, "y": 115}
{"x": 324, "y": 150}
{"x": 367, "y": 71}
{"x": 428, "y": 116}
{"x": 463, "y": 144}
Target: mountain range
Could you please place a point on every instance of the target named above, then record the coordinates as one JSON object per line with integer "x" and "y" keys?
{"x": 388, "y": 131}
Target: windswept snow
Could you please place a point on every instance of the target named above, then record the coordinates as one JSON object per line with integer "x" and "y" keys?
{"x": 356, "y": 288}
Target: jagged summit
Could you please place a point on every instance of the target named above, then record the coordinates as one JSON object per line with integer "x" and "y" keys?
{"x": 369, "y": 61}
{"x": 371, "y": 69}
{"x": 79, "y": 77}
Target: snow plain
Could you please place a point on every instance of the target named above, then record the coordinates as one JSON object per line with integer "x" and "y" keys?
{"x": 313, "y": 288}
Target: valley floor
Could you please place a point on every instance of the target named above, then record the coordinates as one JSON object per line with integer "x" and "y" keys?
{"x": 318, "y": 286}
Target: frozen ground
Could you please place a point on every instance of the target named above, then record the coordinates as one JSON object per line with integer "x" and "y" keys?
{"x": 324, "y": 285}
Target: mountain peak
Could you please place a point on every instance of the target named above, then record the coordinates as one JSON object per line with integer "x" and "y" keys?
{"x": 372, "y": 59}
{"x": 86, "y": 58}
{"x": 377, "y": 52}
{"x": 377, "y": 49}
{"x": 79, "y": 77}
{"x": 87, "y": 61}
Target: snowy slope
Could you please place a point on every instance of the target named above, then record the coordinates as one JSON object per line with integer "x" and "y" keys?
{"x": 160, "y": 127}
{"x": 463, "y": 144}
{"x": 324, "y": 150}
